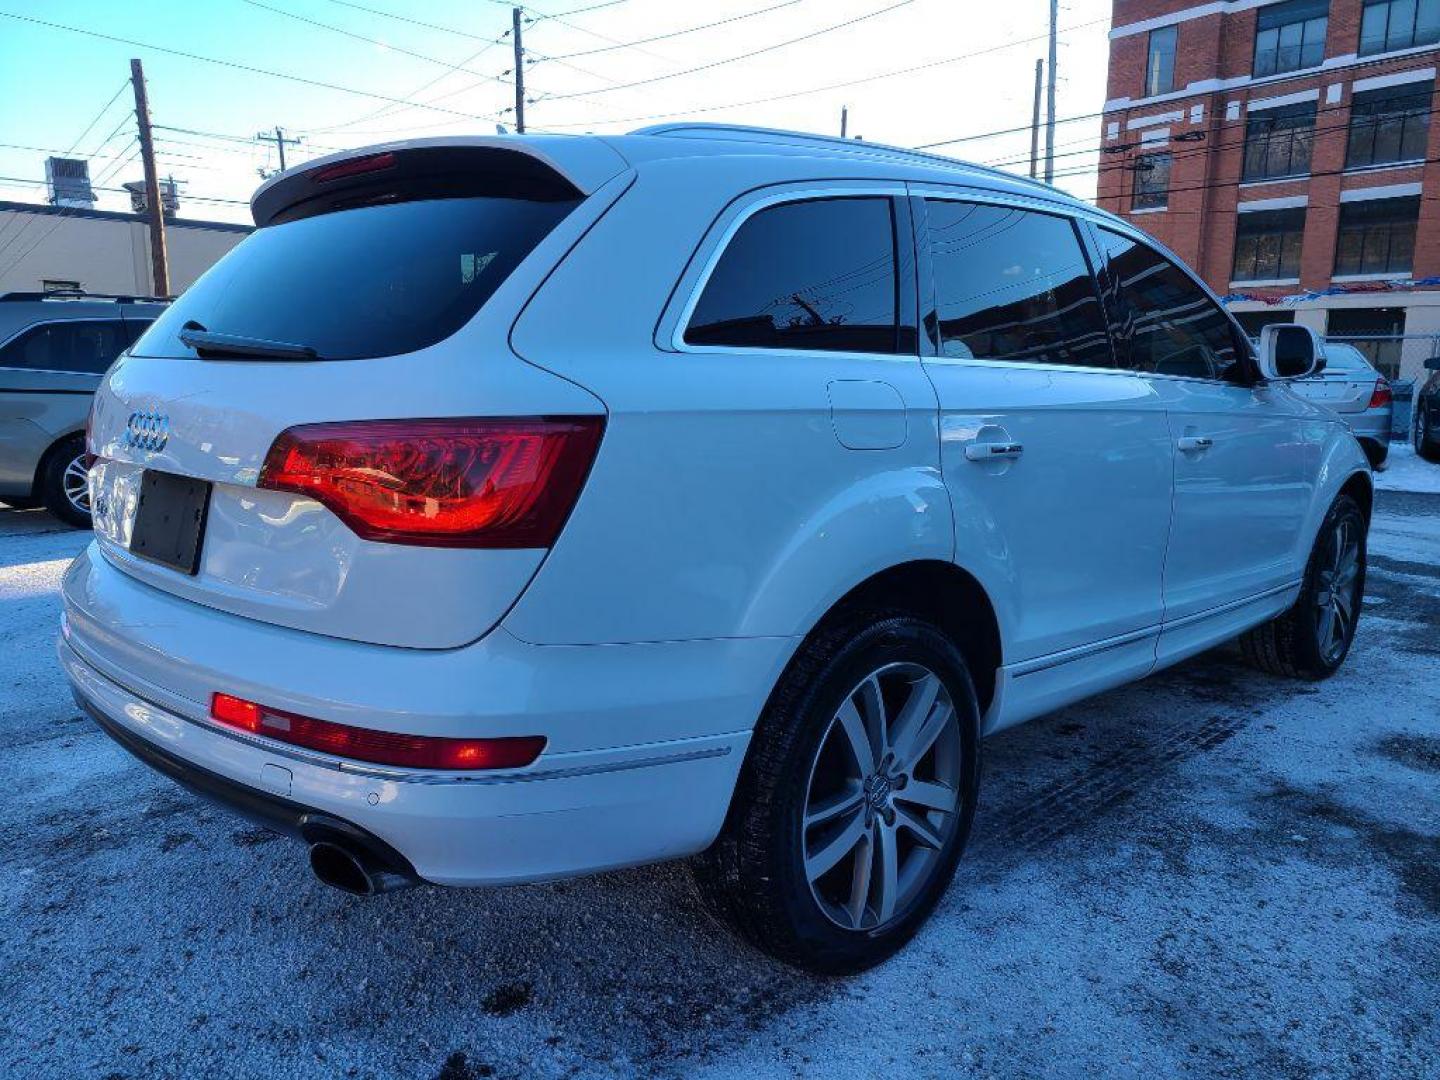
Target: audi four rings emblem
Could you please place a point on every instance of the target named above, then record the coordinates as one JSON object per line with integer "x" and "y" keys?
{"x": 147, "y": 429}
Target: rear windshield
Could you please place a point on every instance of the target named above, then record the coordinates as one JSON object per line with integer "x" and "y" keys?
{"x": 1344, "y": 358}
{"x": 370, "y": 281}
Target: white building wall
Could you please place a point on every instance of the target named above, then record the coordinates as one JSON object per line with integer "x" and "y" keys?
{"x": 109, "y": 254}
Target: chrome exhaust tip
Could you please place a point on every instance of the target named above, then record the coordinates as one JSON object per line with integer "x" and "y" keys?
{"x": 352, "y": 870}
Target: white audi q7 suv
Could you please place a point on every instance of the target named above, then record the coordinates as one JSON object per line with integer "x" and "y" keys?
{"x": 518, "y": 507}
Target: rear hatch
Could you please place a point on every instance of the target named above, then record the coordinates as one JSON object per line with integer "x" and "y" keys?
{"x": 423, "y": 468}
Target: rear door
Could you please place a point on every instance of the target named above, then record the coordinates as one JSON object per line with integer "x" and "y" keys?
{"x": 1241, "y": 458}
{"x": 1058, "y": 463}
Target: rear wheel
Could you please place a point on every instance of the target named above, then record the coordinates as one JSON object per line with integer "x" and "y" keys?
{"x": 1312, "y": 639}
{"x": 1376, "y": 452}
{"x": 64, "y": 483}
{"x": 856, "y": 798}
{"x": 1427, "y": 440}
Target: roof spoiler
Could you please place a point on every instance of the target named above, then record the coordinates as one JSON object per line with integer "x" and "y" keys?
{"x": 555, "y": 165}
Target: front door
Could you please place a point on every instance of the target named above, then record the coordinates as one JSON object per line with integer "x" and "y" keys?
{"x": 1242, "y": 461}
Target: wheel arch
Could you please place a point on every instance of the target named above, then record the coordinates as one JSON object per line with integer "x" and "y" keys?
{"x": 945, "y": 594}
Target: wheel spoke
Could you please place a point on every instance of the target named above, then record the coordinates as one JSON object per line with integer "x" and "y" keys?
{"x": 825, "y": 860}
{"x": 860, "y": 877}
{"x": 1339, "y": 546}
{"x": 833, "y": 806}
{"x": 921, "y": 829}
{"x": 872, "y": 708}
{"x": 914, "y": 713}
{"x": 1326, "y": 626}
{"x": 909, "y": 754}
{"x": 857, "y": 737}
{"x": 928, "y": 794}
{"x": 1340, "y": 627}
{"x": 888, "y": 885}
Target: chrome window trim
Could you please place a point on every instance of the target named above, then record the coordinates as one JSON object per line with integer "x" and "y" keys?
{"x": 717, "y": 241}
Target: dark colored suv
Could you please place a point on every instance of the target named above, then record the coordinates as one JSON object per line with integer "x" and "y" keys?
{"x": 1427, "y": 413}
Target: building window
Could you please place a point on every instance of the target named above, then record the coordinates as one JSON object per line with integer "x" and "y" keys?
{"x": 59, "y": 285}
{"x": 1376, "y": 332}
{"x": 1387, "y": 25}
{"x": 1160, "y": 61}
{"x": 1377, "y": 236}
{"x": 1290, "y": 36}
{"x": 1277, "y": 141}
{"x": 1267, "y": 244}
{"x": 1389, "y": 125}
{"x": 1152, "y": 182}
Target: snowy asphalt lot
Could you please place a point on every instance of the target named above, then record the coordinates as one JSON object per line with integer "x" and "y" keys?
{"x": 1210, "y": 873}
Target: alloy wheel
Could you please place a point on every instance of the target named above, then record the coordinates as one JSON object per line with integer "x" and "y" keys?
{"x": 75, "y": 482}
{"x": 1337, "y": 593}
{"x": 883, "y": 797}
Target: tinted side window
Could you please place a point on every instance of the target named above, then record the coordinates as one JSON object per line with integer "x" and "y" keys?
{"x": 88, "y": 347}
{"x": 819, "y": 274}
{"x": 1012, "y": 285}
{"x": 1164, "y": 323}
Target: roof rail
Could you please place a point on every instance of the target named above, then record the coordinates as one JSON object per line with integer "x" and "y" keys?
{"x": 81, "y": 294}
{"x": 742, "y": 131}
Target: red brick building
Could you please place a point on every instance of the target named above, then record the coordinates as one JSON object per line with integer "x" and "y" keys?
{"x": 1284, "y": 148}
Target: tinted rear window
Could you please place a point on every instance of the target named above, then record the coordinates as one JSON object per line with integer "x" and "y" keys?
{"x": 818, "y": 274}
{"x": 371, "y": 281}
{"x": 88, "y": 346}
{"x": 1344, "y": 358}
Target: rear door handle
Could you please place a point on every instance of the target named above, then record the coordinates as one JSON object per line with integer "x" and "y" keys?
{"x": 1194, "y": 442}
{"x": 993, "y": 451}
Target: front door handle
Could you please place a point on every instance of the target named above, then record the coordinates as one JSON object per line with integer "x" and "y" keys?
{"x": 993, "y": 451}
{"x": 1190, "y": 443}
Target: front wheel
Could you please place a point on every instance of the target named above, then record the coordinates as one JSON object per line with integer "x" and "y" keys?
{"x": 1312, "y": 638}
{"x": 856, "y": 799}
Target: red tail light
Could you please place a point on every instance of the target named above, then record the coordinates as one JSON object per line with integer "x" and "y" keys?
{"x": 355, "y": 167}
{"x": 1382, "y": 395}
{"x": 507, "y": 483}
{"x": 381, "y": 747}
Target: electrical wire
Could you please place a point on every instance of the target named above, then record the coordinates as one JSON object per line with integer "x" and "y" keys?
{"x": 675, "y": 33}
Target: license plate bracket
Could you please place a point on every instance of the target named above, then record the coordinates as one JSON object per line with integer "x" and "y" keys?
{"x": 170, "y": 520}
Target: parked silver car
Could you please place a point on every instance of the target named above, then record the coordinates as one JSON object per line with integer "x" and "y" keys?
{"x": 1351, "y": 386}
{"x": 53, "y": 349}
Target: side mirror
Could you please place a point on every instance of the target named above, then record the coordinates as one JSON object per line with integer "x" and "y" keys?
{"x": 1288, "y": 351}
{"x": 1432, "y": 363}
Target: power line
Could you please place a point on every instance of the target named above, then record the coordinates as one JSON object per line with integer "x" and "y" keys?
{"x": 236, "y": 66}
{"x": 841, "y": 85}
{"x": 413, "y": 22}
{"x": 675, "y": 33}
{"x": 743, "y": 56}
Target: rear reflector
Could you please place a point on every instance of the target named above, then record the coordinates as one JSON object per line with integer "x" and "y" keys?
{"x": 502, "y": 483}
{"x": 1381, "y": 396}
{"x": 381, "y": 747}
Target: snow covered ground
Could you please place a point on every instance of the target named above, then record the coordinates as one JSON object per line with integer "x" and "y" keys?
{"x": 1211, "y": 873}
{"x": 1406, "y": 470}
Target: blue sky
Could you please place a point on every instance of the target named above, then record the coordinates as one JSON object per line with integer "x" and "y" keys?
{"x": 979, "y": 77}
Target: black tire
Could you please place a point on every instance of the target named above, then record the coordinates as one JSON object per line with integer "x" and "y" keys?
{"x": 1377, "y": 453}
{"x": 1291, "y": 643}
{"x": 53, "y": 482}
{"x": 20, "y": 502}
{"x": 754, "y": 877}
{"x": 1426, "y": 443}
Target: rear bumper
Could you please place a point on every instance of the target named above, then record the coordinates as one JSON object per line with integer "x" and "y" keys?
{"x": 1372, "y": 426}
{"x": 645, "y": 741}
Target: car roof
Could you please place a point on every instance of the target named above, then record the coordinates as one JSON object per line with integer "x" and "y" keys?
{"x": 588, "y": 161}
{"x": 23, "y": 309}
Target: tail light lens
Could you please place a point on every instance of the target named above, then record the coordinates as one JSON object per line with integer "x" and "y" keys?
{"x": 482, "y": 483}
{"x": 1382, "y": 394}
{"x": 381, "y": 747}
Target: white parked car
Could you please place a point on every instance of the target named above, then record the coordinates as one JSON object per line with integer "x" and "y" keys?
{"x": 511, "y": 508}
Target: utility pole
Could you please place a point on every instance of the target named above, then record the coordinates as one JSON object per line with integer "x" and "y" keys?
{"x": 280, "y": 142}
{"x": 519, "y": 72}
{"x": 1050, "y": 100}
{"x": 1035, "y": 118}
{"x": 159, "y": 264}
{"x": 844, "y": 119}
